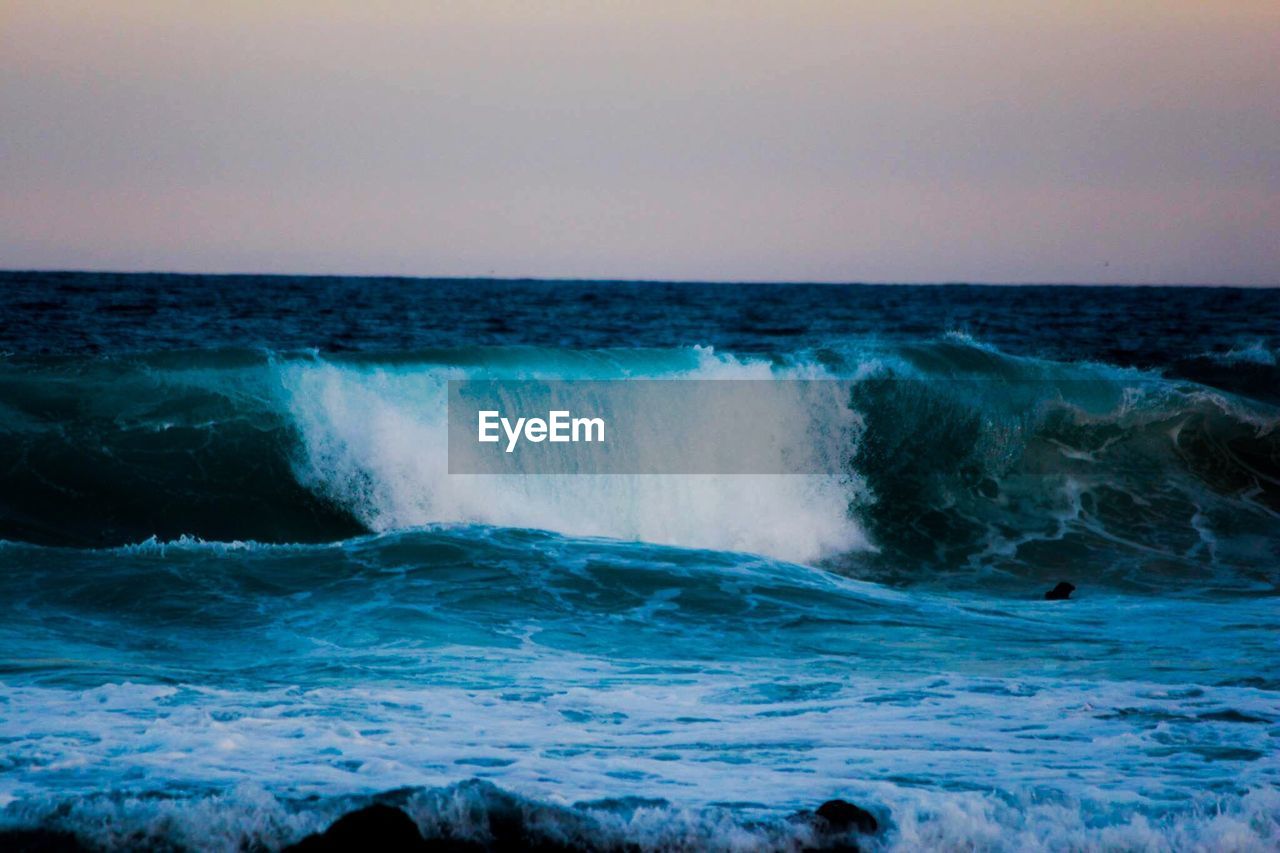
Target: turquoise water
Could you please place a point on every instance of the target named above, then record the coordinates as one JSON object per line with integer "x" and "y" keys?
{"x": 241, "y": 594}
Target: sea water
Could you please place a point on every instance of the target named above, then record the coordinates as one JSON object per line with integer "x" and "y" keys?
{"x": 241, "y": 593}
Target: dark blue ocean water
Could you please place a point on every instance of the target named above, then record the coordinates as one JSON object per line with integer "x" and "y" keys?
{"x": 240, "y": 592}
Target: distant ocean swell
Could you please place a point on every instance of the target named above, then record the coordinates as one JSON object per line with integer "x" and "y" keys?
{"x": 977, "y": 456}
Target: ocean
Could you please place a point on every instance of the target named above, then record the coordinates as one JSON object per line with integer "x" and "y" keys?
{"x": 241, "y": 595}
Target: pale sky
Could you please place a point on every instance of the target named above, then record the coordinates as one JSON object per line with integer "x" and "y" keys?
{"x": 1118, "y": 141}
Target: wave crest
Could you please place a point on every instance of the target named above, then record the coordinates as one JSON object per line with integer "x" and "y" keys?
{"x": 966, "y": 458}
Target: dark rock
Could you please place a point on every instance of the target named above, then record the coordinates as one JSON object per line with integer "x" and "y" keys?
{"x": 41, "y": 841}
{"x": 377, "y": 827}
{"x": 387, "y": 829}
{"x": 1061, "y": 592}
{"x": 842, "y": 816}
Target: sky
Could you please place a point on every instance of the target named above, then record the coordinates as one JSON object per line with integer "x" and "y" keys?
{"x": 1127, "y": 142}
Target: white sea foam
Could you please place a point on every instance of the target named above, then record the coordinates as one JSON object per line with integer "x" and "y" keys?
{"x": 374, "y": 439}
{"x": 1012, "y": 764}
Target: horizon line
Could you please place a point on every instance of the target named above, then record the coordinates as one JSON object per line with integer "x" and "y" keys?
{"x": 615, "y": 280}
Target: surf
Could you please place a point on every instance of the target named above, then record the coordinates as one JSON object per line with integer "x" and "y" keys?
{"x": 959, "y": 455}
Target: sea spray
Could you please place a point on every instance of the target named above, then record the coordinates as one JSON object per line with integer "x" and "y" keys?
{"x": 375, "y": 441}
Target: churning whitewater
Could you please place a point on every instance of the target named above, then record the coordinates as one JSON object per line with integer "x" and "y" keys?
{"x": 242, "y": 594}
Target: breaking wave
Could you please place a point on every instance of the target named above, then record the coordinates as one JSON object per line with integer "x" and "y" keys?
{"x": 962, "y": 456}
